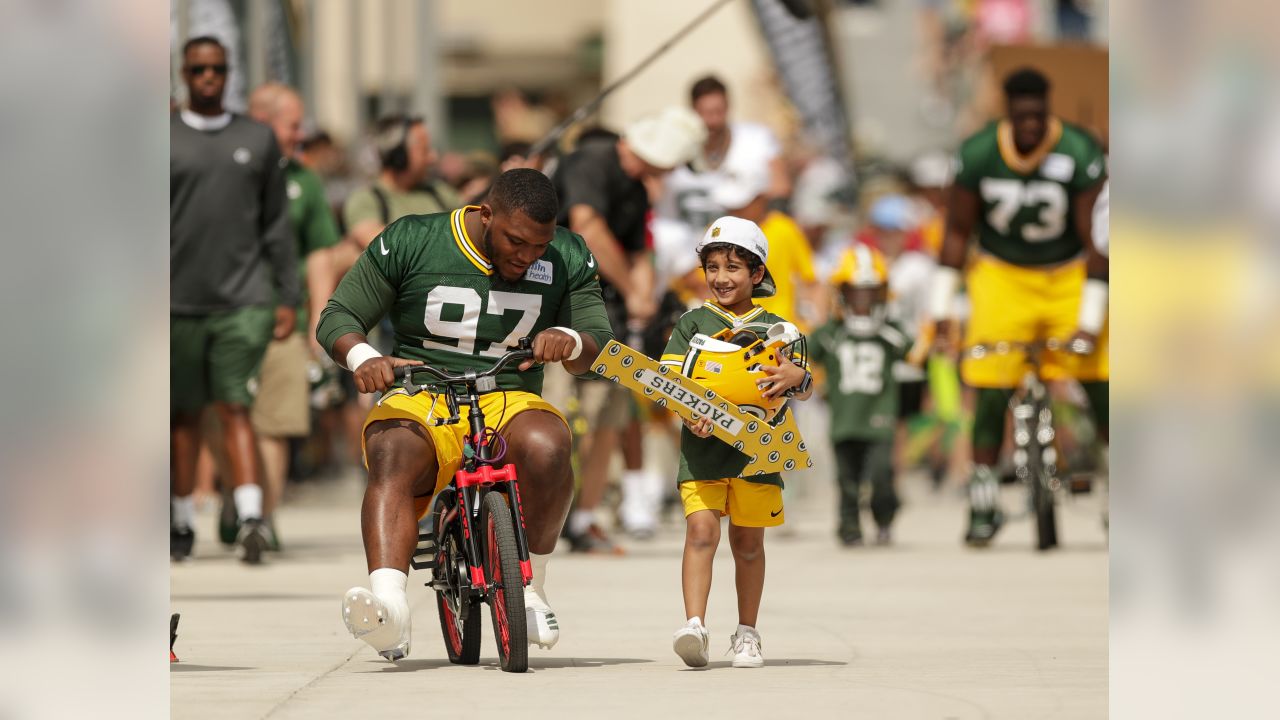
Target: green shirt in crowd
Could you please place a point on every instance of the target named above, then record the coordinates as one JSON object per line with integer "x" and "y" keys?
{"x": 313, "y": 223}
{"x": 364, "y": 204}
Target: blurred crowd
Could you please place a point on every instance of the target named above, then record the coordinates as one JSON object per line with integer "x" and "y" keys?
{"x": 642, "y": 216}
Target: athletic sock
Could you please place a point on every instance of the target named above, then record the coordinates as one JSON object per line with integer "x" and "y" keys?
{"x": 539, "y": 564}
{"x": 248, "y": 501}
{"x": 580, "y": 521}
{"x": 389, "y": 584}
{"x": 984, "y": 489}
{"x": 184, "y": 512}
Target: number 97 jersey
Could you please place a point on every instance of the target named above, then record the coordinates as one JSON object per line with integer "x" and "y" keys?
{"x": 1026, "y": 216}
{"x": 449, "y": 308}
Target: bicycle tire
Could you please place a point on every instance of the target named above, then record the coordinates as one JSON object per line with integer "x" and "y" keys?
{"x": 502, "y": 569}
{"x": 1042, "y": 501}
{"x": 463, "y": 648}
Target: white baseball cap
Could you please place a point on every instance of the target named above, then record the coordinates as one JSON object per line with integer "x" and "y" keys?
{"x": 740, "y": 186}
{"x": 668, "y": 139}
{"x": 748, "y": 236}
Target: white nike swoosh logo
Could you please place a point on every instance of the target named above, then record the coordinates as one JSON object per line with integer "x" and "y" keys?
{"x": 382, "y": 244}
{"x": 591, "y": 261}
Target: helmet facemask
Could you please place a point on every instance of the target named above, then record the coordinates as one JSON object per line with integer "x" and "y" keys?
{"x": 864, "y": 307}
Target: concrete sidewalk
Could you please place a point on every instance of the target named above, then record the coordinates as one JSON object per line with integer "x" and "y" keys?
{"x": 923, "y": 629}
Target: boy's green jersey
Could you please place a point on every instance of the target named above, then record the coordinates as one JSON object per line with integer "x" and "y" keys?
{"x": 861, "y": 390}
{"x": 1027, "y": 217}
{"x": 450, "y": 310}
{"x": 711, "y": 458}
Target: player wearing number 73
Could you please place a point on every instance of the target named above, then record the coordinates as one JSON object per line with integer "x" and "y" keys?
{"x": 461, "y": 289}
{"x": 1025, "y": 185}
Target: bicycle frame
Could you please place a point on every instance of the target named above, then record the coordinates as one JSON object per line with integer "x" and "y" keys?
{"x": 478, "y": 474}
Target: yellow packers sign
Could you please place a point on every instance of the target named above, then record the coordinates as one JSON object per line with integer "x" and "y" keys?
{"x": 770, "y": 448}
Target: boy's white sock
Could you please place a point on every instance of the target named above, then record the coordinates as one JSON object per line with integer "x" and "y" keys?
{"x": 248, "y": 501}
{"x": 184, "y": 512}
{"x": 694, "y": 621}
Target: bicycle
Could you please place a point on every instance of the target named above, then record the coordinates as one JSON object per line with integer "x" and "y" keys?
{"x": 1035, "y": 456}
{"x": 476, "y": 547}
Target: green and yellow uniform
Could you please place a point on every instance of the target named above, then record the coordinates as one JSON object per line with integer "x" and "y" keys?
{"x": 451, "y": 311}
{"x": 862, "y": 396}
{"x": 861, "y": 390}
{"x": 1026, "y": 282}
{"x": 710, "y": 470}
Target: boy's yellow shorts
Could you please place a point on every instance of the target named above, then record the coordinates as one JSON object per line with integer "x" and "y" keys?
{"x": 747, "y": 504}
{"x": 499, "y": 408}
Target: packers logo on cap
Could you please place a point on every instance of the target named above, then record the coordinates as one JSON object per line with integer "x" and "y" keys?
{"x": 715, "y": 231}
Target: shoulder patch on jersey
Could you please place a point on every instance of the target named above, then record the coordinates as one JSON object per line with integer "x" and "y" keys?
{"x": 540, "y": 272}
{"x": 1059, "y": 167}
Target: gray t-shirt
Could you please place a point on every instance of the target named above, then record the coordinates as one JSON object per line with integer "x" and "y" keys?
{"x": 230, "y": 241}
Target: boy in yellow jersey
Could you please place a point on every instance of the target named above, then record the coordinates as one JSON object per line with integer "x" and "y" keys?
{"x": 733, "y": 253}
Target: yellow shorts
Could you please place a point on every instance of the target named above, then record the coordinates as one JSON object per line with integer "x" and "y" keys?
{"x": 499, "y": 409}
{"x": 747, "y": 504}
{"x": 1022, "y": 304}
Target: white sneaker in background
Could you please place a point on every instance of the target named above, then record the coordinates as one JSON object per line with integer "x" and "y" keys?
{"x": 690, "y": 643}
{"x": 544, "y": 628}
{"x": 383, "y": 625}
{"x": 745, "y": 646}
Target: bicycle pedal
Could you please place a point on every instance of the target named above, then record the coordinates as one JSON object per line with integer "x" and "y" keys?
{"x": 424, "y": 556}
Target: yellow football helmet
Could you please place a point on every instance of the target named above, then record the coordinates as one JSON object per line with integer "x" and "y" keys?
{"x": 729, "y": 363}
{"x": 862, "y": 279}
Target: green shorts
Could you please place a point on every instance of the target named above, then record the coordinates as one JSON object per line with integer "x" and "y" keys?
{"x": 216, "y": 357}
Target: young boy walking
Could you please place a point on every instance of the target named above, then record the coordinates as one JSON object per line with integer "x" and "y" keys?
{"x": 858, "y": 349}
{"x": 707, "y": 345}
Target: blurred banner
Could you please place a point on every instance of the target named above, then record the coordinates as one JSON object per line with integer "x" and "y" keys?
{"x": 800, "y": 51}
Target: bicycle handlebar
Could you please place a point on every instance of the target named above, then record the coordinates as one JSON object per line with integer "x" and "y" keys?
{"x": 524, "y": 353}
{"x": 1004, "y": 347}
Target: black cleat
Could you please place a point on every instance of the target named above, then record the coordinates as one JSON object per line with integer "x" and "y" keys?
{"x": 851, "y": 540}
{"x": 181, "y": 542}
{"x": 253, "y": 541}
{"x": 983, "y": 526}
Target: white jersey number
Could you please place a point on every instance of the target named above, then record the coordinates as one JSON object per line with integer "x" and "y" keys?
{"x": 466, "y": 329}
{"x": 861, "y": 367}
{"x": 1010, "y": 196}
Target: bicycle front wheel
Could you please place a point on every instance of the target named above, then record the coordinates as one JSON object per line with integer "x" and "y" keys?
{"x": 502, "y": 569}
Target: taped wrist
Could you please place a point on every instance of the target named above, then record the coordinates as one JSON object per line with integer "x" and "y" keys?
{"x": 1093, "y": 306}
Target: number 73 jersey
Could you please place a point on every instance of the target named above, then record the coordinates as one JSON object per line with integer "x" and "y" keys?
{"x": 448, "y": 307}
{"x": 1027, "y": 216}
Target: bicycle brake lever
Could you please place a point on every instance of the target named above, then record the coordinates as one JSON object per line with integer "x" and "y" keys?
{"x": 409, "y": 386}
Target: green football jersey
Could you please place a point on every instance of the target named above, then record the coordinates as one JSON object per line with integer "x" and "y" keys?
{"x": 861, "y": 390}
{"x": 711, "y": 458}
{"x": 1027, "y": 217}
{"x": 448, "y": 308}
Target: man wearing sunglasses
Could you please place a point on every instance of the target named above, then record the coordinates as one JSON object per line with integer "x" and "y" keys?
{"x": 233, "y": 285}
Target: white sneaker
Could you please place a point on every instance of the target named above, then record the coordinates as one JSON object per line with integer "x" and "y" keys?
{"x": 544, "y": 628}
{"x": 384, "y": 626}
{"x": 690, "y": 643}
{"x": 745, "y": 645}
